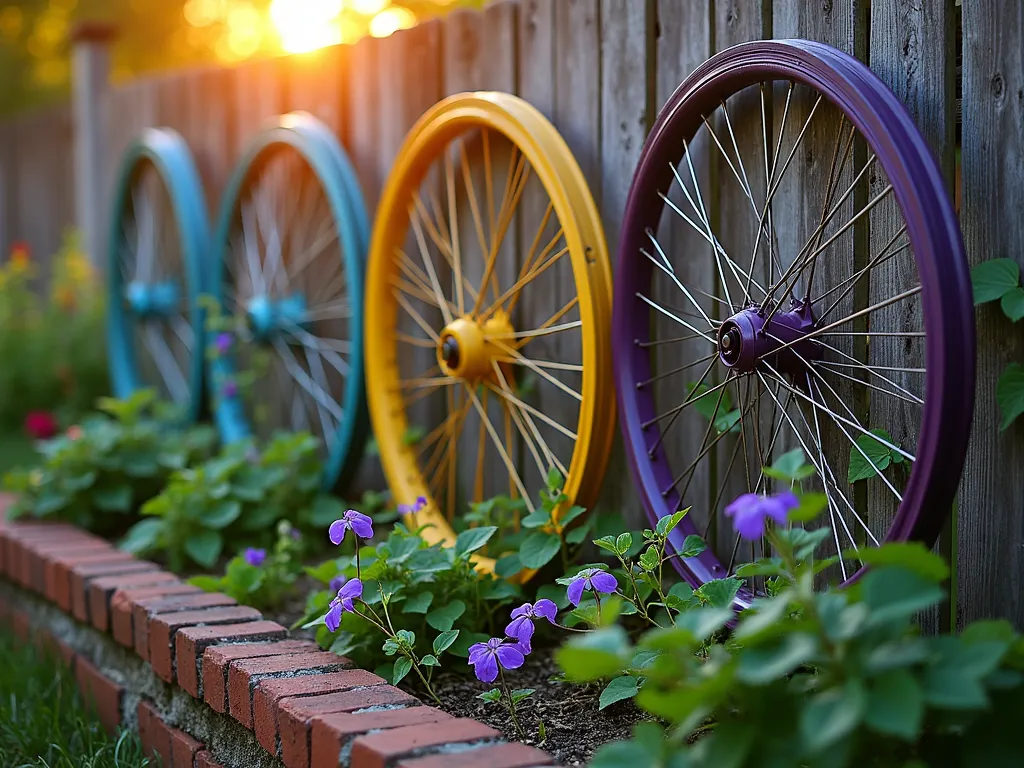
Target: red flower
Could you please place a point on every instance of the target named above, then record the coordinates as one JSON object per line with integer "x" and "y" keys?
{"x": 40, "y": 425}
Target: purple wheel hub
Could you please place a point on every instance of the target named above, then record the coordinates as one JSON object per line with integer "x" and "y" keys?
{"x": 933, "y": 232}
{"x": 745, "y": 338}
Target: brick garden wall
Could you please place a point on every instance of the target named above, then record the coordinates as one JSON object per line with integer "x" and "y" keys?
{"x": 208, "y": 682}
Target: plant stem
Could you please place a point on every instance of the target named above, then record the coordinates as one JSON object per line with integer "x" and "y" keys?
{"x": 358, "y": 572}
{"x": 511, "y": 705}
{"x": 426, "y": 683}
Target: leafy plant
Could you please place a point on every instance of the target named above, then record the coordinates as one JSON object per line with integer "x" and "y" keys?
{"x": 99, "y": 473}
{"x": 814, "y": 678}
{"x": 239, "y": 495}
{"x": 410, "y": 591}
{"x": 999, "y": 280}
{"x": 258, "y": 578}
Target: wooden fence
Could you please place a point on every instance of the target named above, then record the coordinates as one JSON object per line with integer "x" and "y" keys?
{"x": 600, "y": 69}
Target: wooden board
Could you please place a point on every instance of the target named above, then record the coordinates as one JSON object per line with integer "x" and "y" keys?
{"x": 990, "y": 525}
{"x": 360, "y": 96}
{"x": 912, "y": 51}
{"x": 260, "y": 96}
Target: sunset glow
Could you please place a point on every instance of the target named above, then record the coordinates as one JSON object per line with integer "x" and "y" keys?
{"x": 305, "y": 25}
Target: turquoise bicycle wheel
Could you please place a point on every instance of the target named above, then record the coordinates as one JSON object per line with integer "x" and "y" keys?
{"x": 287, "y": 267}
{"x": 158, "y": 244}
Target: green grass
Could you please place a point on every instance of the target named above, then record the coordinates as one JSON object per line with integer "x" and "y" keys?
{"x": 15, "y": 450}
{"x": 43, "y": 723}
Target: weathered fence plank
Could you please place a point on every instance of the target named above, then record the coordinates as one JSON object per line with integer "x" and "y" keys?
{"x": 990, "y": 524}
{"x": 361, "y": 94}
{"x": 259, "y": 97}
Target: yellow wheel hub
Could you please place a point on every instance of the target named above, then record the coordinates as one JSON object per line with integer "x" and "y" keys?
{"x": 468, "y": 348}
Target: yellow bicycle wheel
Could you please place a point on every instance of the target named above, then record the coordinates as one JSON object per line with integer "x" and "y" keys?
{"x": 488, "y": 302}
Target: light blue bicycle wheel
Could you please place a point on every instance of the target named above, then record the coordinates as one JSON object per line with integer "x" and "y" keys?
{"x": 287, "y": 267}
{"x": 158, "y": 243}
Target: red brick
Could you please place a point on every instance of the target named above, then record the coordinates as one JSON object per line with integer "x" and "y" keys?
{"x": 495, "y": 756}
{"x": 183, "y": 749}
{"x": 329, "y": 734}
{"x": 217, "y": 658}
{"x": 154, "y": 733}
{"x": 101, "y": 692}
{"x": 190, "y": 642}
{"x": 205, "y": 760}
{"x": 34, "y": 556}
{"x": 244, "y": 675}
{"x": 82, "y": 575}
{"x": 268, "y": 695}
{"x": 294, "y": 715}
{"x": 122, "y": 602}
{"x": 56, "y": 578}
{"x": 20, "y": 544}
{"x": 143, "y": 611}
{"x": 163, "y": 626}
{"x": 379, "y": 750}
{"x": 101, "y": 590}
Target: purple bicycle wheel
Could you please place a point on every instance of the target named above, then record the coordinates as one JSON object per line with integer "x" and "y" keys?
{"x": 828, "y": 310}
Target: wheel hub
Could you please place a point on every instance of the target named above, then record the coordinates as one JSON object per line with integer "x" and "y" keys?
{"x": 267, "y": 317}
{"x": 468, "y": 348}
{"x": 745, "y": 338}
{"x": 161, "y": 299}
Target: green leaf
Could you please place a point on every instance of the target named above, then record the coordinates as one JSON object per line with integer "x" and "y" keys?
{"x": 539, "y": 549}
{"x": 623, "y": 687}
{"x": 811, "y": 505}
{"x": 578, "y": 534}
{"x": 461, "y": 646}
{"x": 766, "y": 664}
{"x": 444, "y": 641}
{"x": 1010, "y": 394}
{"x": 508, "y": 565}
{"x": 206, "y": 583}
{"x": 623, "y": 542}
{"x": 896, "y": 594}
{"x": 222, "y": 515}
{"x": 693, "y": 545}
{"x": 244, "y": 578}
{"x": 520, "y": 694}
{"x": 607, "y": 543}
{"x": 571, "y": 514}
{"x": 896, "y": 706}
{"x": 720, "y": 593}
{"x": 473, "y": 539}
{"x": 492, "y": 696}
{"x": 649, "y": 560}
{"x": 1012, "y": 304}
{"x": 205, "y": 547}
{"x": 911, "y": 555}
{"x": 554, "y": 479}
{"x": 430, "y": 661}
{"x": 142, "y": 536}
{"x": 832, "y": 715}
{"x": 668, "y": 523}
{"x": 591, "y": 656}
{"x": 325, "y": 510}
{"x": 877, "y": 454}
{"x": 790, "y": 466}
{"x": 708, "y": 405}
{"x": 992, "y": 279}
{"x": 117, "y": 499}
{"x": 536, "y": 519}
{"x": 402, "y": 668}
{"x": 442, "y": 618}
{"x": 418, "y": 604}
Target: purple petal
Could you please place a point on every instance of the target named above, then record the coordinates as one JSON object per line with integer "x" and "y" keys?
{"x": 740, "y": 504}
{"x": 524, "y": 647}
{"x": 523, "y": 610}
{"x": 352, "y": 588}
{"x": 362, "y": 525}
{"x": 255, "y": 557}
{"x": 602, "y": 581}
{"x": 749, "y": 524}
{"x": 476, "y": 651}
{"x": 337, "y": 531}
{"x": 346, "y": 605}
{"x": 486, "y": 668}
{"x": 575, "y": 591}
{"x": 520, "y": 628}
{"x": 336, "y": 584}
{"x": 333, "y": 618}
{"x": 546, "y": 609}
{"x": 509, "y": 656}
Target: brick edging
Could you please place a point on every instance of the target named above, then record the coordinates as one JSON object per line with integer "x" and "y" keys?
{"x": 307, "y": 707}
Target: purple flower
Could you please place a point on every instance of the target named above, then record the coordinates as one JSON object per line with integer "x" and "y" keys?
{"x": 750, "y": 511}
{"x": 486, "y": 658}
{"x": 296, "y": 534}
{"x": 361, "y": 525}
{"x": 521, "y": 627}
{"x": 336, "y": 583}
{"x": 230, "y": 389}
{"x": 590, "y": 578}
{"x": 412, "y": 509}
{"x": 223, "y": 343}
{"x": 342, "y": 603}
{"x": 255, "y": 557}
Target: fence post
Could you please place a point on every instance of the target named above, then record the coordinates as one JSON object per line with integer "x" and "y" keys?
{"x": 90, "y": 79}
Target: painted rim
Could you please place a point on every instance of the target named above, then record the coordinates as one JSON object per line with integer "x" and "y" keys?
{"x": 166, "y": 153}
{"x": 315, "y": 144}
{"x": 553, "y": 163}
{"x": 934, "y": 234}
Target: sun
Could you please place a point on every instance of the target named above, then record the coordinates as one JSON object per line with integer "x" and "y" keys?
{"x": 305, "y": 25}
